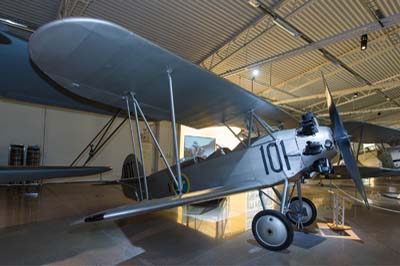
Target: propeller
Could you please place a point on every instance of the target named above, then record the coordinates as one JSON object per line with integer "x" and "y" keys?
{"x": 343, "y": 141}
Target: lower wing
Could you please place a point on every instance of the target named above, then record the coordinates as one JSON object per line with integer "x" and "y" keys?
{"x": 365, "y": 171}
{"x": 147, "y": 206}
{"x": 17, "y": 174}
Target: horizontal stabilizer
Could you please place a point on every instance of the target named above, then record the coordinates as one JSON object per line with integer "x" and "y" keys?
{"x": 18, "y": 174}
{"x": 170, "y": 202}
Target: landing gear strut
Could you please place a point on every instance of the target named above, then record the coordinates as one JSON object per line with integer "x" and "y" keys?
{"x": 301, "y": 211}
{"x": 272, "y": 229}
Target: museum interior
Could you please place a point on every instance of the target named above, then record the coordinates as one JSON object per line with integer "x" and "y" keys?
{"x": 200, "y": 132}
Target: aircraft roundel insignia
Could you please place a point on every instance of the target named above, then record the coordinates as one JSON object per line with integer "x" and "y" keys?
{"x": 185, "y": 184}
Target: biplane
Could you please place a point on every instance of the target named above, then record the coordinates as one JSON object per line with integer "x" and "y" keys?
{"x": 98, "y": 63}
{"x": 385, "y": 139}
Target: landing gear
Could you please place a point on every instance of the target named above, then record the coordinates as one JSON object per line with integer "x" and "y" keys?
{"x": 301, "y": 213}
{"x": 272, "y": 230}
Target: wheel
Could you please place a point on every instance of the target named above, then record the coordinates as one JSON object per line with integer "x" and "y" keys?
{"x": 307, "y": 216}
{"x": 272, "y": 230}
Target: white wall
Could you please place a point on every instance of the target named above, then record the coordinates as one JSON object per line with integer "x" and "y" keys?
{"x": 166, "y": 143}
{"x": 63, "y": 133}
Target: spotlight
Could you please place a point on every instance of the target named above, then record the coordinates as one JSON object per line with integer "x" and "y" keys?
{"x": 364, "y": 42}
{"x": 255, "y": 73}
{"x": 254, "y": 3}
{"x": 355, "y": 95}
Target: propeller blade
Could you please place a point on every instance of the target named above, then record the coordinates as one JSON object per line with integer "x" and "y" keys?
{"x": 342, "y": 139}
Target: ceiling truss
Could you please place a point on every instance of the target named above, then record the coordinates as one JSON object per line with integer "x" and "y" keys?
{"x": 70, "y": 8}
{"x": 242, "y": 40}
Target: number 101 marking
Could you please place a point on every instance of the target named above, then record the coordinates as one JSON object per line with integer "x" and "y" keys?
{"x": 274, "y": 168}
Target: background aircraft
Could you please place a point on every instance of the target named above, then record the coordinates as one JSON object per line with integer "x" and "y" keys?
{"x": 106, "y": 63}
{"x": 362, "y": 132}
{"x": 386, "y": 140}
{"x": 20, "y": 80}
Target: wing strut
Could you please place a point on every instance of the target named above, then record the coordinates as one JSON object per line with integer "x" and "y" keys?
{"x": 237, "y": 136}
{"x": 360, "y": 142}
{"x": 265, "y": 125}
{"x": 140, "y": 150}
{"x": 174, "y": 135}
{"x": 100, "y": 143}
{"x": 137, "y": 108}
{"x": 250, "y": 127}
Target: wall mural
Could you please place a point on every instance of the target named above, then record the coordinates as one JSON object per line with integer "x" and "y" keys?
{"x": 196, "y": 146}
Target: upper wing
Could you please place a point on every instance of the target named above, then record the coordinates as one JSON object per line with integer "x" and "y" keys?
{"x": 20, "y": 80}
{"x": 18, "y": 174}
{"x": 370, "y": 133}
{"x": 170, "y": 202}
{"x": 102, "y": 61}
{"x": 366, "y": 172}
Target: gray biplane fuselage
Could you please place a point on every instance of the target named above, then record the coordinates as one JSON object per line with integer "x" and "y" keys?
{"x": 267, "y": 161}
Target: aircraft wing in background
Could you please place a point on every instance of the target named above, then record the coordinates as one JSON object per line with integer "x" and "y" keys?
{"x": 370, "y": 133}
{"x": 11, "y": 174}
{"x": 21, "y": 80}
{"x": 340, "y": 171}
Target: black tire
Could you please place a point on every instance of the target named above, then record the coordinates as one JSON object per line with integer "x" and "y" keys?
{"x": 272, "y": 224}
{"x": 309, "y": 205}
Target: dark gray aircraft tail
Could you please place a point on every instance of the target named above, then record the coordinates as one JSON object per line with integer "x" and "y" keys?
{"x": 129, "y": 181}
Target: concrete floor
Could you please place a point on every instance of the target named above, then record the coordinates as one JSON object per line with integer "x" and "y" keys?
{"x": 36, "y": 231}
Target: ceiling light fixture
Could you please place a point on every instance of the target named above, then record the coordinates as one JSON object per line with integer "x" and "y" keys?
{"x": 286, "y": 27}
{"x": 364, "y": 42}
{"x": 278, "y": 21}
{"x": 255, "y": 73}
